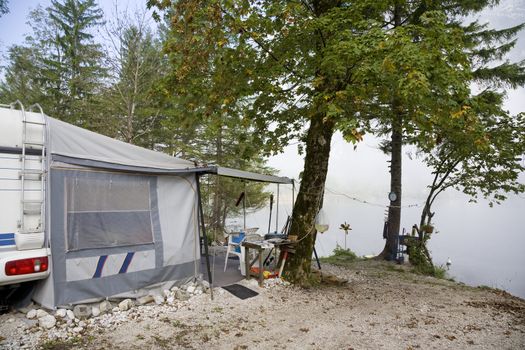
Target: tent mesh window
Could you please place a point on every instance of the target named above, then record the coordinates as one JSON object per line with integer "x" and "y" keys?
{"x": 107, "y": 210}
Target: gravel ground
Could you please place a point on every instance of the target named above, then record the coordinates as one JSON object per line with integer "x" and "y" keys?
{"x": 382, "y": 306}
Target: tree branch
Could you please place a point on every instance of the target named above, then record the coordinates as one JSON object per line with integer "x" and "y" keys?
{"x": 263, "y": 47}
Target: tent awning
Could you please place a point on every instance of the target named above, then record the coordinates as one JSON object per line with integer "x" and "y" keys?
{"x": 246, "y": 175}
{"x": 79, "y": 146}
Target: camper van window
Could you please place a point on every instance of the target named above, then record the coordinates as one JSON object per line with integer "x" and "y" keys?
{"x": 107, "y": 210}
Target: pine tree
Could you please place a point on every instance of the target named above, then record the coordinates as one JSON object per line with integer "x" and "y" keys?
{"x": 135, "y": 68}
{"x": 3, "y": 7}
{"x": 478, "y": 150}
{"x": 66, "y": 67}
{"x": 409, "y": 130}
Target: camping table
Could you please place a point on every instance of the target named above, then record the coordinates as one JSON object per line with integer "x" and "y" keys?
{"x": 259, "y": 246}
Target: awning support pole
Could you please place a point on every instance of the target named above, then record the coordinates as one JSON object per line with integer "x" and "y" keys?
{"x": 244, "y": 208}
{"x": 277, "y": 212}
{"x": 293, "y": 194}
{"x": 204, "y": 237}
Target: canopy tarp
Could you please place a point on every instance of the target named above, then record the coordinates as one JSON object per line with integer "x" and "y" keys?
{"x": 246, "y": 175}
{"x": 74, "y": 145}
{"x": 84, "y": 147}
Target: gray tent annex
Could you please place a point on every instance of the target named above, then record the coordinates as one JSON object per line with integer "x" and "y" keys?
{"x": 120, "y": 219}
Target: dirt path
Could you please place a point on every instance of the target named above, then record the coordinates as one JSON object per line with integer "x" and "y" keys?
{"x": 382, "y": 307}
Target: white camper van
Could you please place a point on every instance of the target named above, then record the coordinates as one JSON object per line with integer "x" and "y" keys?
{"x": 23, "y": 253}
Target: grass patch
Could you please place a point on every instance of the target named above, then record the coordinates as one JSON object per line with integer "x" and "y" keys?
{"x": 164, "y": 343}
{"x": 217, "y": 309}
{"x": 179, "y": 324}
{"x": 484, "y": 287}
{"x": 58, "y": 344}
{"x": 395, "y": 268}
{"x": 434, "y": 271}
{"x": 340, "y": 256}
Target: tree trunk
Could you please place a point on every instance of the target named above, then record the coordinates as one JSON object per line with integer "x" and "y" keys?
{"x": 394, "y": 211}
{"x": 396, "y": 146}
{"x": 309, "y": 197}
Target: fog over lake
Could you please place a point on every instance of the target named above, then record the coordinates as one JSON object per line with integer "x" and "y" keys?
{"x": 485, "y": 244}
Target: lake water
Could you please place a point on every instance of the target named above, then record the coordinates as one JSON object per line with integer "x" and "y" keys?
{"x": 486, "y": 245}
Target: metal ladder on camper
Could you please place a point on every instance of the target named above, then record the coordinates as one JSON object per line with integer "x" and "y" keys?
{"x": 32, "y": 207}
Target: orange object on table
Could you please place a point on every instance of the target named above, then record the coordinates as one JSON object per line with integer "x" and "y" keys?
{"x": 266, "y": 274}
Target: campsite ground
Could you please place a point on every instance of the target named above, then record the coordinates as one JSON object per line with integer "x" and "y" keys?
{"x": 382, "y": 306}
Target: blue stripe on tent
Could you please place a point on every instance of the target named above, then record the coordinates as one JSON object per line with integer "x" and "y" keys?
{"x": 7, "y": 235}
{"x": 6, "y": 242}
{"x": 127, "y": 261}
{"x": 100, "y": 266}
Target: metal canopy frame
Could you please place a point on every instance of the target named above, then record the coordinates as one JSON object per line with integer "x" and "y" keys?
{"x": 234, "y": 173}
{"x": 246, "y": 175}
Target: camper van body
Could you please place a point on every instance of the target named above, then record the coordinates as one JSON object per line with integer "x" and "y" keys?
{"x": 23, "y": 168}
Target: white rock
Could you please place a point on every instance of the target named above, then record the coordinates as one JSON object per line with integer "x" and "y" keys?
{"x": 95, "y": 311}
{"x": 41, "y": 313}
{"x": 253, "y": 283}
{"x": 125, "y": 305}
{"x": 82, "y": 311}
{"x": 205, "y": 284}
{"x": 145, "y": 299}
{"x": 77, "y": 329}
{"x": 70, "y": 314}
{"x": 47, "y": 321}
{"x": 115, "y": 309}
{"x": 61, "y": 313}
{"x": 170, "y": 300}
{"x": 105, "y": 306}
{"x": 181, "y": 295}
{"x": 159, "y": 299}
{"x": 166, "y": 293}
{"x": 82, "y": 324}
{"x": 191, "y": 289}
{"x": 174, "y": 289}
{"x": 31, "y": 314}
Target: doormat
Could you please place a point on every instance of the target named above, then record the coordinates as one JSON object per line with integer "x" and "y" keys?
{"x": 240, "y": 292}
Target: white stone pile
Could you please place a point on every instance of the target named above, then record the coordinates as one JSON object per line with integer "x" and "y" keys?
{"x": 65, "y": 323}
{"x": 274, "y": 282}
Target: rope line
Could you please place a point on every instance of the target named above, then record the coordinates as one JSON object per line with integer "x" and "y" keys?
{"x": 371, "y": 203}
{"x": 414, "y": 205}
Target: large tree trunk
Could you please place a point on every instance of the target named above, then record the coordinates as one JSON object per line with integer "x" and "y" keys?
{"x": 396, "y": 145}
{"x": 394, "y": 211}
{"x": 309, "y": 197}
